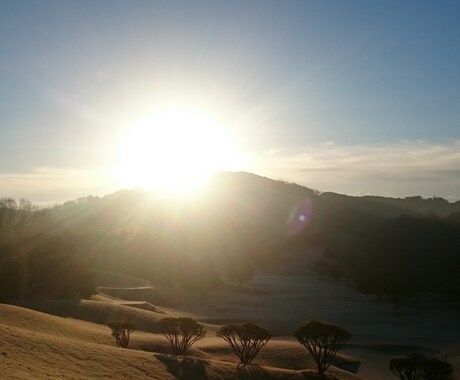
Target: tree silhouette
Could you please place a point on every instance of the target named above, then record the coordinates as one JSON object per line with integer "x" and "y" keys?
{"x": 121, "y": 331}
{"x": 181, "y": 333}
{"x": 436, "y": 369}
{"x": 245, "y": 339}
{"x": 418, "y": 367}
{"x": 322, "y": 340}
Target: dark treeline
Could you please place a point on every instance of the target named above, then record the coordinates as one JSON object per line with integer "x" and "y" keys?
{"x": 242, "y": 223}
{"x": 195, "y": 242}
{"x": 37, "y": 265}
{"x": 390, "y": 247}
{"x": 400, "y": 257}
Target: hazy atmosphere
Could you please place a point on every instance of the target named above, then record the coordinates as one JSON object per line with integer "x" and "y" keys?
{"x": 354, "y": 97}
{"x": 229, "y": 190}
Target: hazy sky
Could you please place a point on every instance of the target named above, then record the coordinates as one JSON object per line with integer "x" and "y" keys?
{"x": 357, "y": 97}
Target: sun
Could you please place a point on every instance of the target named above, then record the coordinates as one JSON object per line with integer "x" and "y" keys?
{"x": 174, "y": 150}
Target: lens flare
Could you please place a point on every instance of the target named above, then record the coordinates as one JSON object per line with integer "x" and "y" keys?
{"x": 299, "y": 217}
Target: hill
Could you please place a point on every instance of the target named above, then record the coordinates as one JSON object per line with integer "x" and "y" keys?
{"x": 37, "y": 345}
{"x": 240, "y": 224}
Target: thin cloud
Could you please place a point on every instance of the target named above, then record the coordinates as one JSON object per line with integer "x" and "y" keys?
{"x": 399, "y": 169}
{"x": 49, "y": 184}
{"x": 76, "y": 108}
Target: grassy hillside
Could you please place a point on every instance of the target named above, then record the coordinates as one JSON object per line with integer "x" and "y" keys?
{"x": 37, "y": 345}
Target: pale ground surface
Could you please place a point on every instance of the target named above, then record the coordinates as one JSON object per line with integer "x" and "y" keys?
{"x": 292, "y": 293}
{"x": 37, "y": 345}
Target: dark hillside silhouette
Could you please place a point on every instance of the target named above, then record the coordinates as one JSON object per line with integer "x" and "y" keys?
{"x": 387, "y": 246}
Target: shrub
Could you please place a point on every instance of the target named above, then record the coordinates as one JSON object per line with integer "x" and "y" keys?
{"x": 322, "y": 340}
{"x": 121, "y": 331}
{"x": 181, "y": 333}
{"x": 419, "y": 367}
{"x": 245, "y": 339}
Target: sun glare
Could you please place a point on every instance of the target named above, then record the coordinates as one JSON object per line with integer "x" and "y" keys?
{"x": 174, "y": 150}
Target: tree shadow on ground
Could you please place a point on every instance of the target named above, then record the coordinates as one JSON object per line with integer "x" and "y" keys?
{"x": 312, "y": 374}
{"x": 250, "y": 372}
{"x": 352, "y": 366}
{"x": 183, "y": 368}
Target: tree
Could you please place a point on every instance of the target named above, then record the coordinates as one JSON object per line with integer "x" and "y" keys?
{"x": 202, "y": 277}
{"x": 13, "y": 275}
{"x": 239, "y": 271}
{"x": 40, "y": 267}
{"x": 181, "y": 333}
{"x": 121, "y": 331}
{"x": 54, "y": 273}
{"x": 436, "y": 369}
{"x": 245, "y": 339}
{"x": 419, "y": 367}
{"x": 407, "y": 367}
{"x": 322, "y": 340}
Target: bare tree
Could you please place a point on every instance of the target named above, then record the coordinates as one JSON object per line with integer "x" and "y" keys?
{"x": 322, "y": 340}
{"x": 245, "y": 339}
{"x": 181, "y": 333}
{"x": 121, "y": 331}
{"x": 419, "y": 367}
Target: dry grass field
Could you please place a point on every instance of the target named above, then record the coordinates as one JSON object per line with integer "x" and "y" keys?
{"x": 69, "y": 339}
{"x": 37, "y": 345}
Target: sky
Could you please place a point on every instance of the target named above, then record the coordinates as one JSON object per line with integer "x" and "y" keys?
{"x": 355, "y": 97}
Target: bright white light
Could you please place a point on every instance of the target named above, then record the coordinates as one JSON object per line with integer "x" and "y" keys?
{"x": 175, "y": 150}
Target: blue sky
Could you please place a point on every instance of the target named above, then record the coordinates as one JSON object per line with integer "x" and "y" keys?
{"x": 355, "y": 97}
